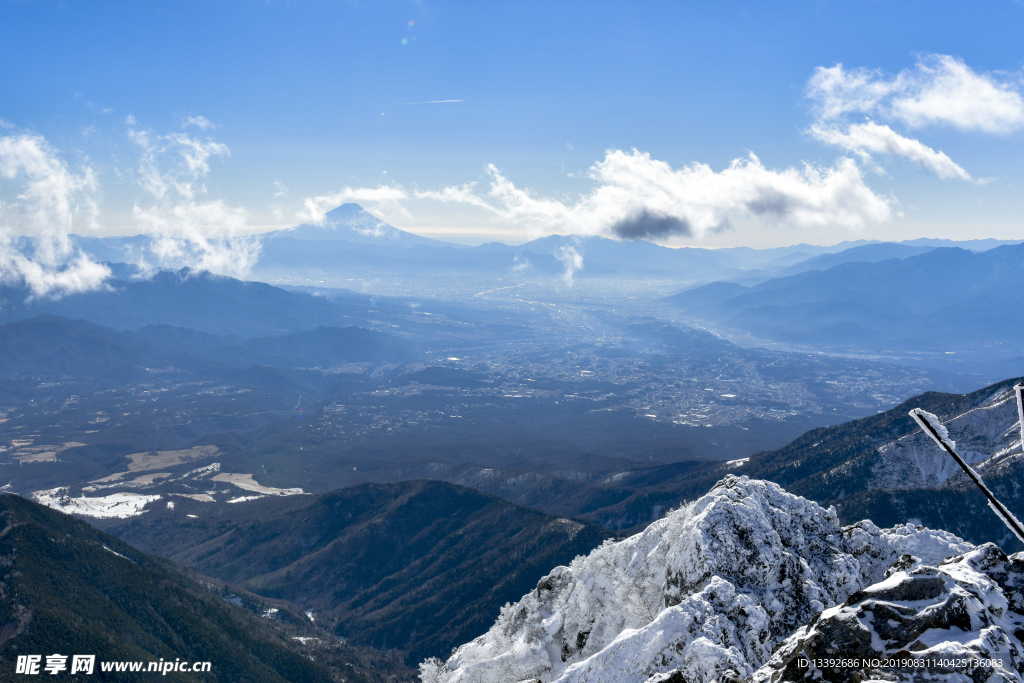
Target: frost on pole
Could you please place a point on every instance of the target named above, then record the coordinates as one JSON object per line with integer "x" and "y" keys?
{"x": 1017, "y": 389}
{"x": 933, "y": 427}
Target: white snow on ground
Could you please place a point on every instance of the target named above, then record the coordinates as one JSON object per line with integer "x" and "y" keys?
{"x": 124, "y": 504}
{"x": 711, "y": 587}
{"x": 120, "y": 505}
{"x": 119, "y": 554}
{"x": 201, "y": 497}
{"x": 150, "y": 480}
{"x": 915, "y": 461}
{"x": 247, "y": 483}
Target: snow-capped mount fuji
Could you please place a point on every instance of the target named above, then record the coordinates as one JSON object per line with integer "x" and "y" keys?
{"x": 352, "y": 223}
{"x": 707, "y": 591}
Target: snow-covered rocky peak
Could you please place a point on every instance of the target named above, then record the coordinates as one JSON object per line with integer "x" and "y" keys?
{"x": 712, "y": 587}
{"x": 988, "y": 433}
{"x": 960, "y": 621}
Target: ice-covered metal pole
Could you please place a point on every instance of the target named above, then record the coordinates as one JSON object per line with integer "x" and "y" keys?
{"x": 1018, "y": 388}
{"x": 931, "y": 426}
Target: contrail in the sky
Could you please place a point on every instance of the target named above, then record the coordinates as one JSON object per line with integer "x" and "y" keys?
{"x": 436, "y": 102}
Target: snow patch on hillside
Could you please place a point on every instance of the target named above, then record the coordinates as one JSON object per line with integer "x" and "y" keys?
{"x": 712, "y": 587}
{"x": 117, "y": 505}
{"x": 247, "y": 483}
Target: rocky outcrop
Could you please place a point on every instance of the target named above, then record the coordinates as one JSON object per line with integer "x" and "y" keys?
{"x": 703, "y": 594}
{"x": 960, "y": 621}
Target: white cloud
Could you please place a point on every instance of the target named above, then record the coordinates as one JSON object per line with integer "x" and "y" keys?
{"x": 939, "y": 90}
{"x": 571, "y": 261}
{"x": 836, "y": 91}
{"x": 640, "y": 197}
{"x": 48, "y": 199}
{"x": 204, "y": 235}
{"x": 457, "y": 194}
{"x": 316, "y": 208}
{"x": 280, "y": 191}
{"x": 201, "y": 122}
{"x": 52, "y": 195}
{"x": 866, "y": 138}
{"x": 193, "y": 162}
{"x": 948, "y": 91}
{"x": 77, "y": 273}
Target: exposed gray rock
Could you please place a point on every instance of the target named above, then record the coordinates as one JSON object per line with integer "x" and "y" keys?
{"x": 960, "y": 621}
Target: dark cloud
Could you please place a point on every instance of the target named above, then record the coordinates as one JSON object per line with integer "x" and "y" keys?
{"x": 724, "y": 226}
{"x": 772, "y": 203}
{"x": 646, "y": 224}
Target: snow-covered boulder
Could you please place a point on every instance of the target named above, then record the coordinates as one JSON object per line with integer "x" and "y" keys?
{"x": 961, "y": 621}
{"x": 707, "y": 591}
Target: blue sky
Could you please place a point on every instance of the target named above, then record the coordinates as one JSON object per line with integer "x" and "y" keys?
{"x": 312, "y": 102}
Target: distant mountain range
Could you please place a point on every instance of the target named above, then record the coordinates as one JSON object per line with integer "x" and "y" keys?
{"x": 52, "y": 347}
{"x": 945, "y": 300}
{"x": 285, "y": 257}
{"x": 867, "y": 253}
{"x": 199, "y": 300}
{"x": 353, "y": 243}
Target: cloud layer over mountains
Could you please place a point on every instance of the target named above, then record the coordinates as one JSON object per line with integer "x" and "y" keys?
{"x": 636, "y": 196}
{"x": 639, "y": 197}
{"x": 51, "y": 197}
{"x": 633, "y": 195}
{"x": 205, "y": 235}
{"x": 48, "y": 200}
